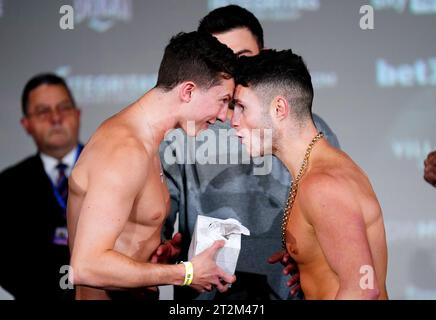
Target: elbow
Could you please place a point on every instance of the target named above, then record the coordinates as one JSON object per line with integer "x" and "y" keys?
{"x": 368, "y": 293}
{"x": 84, "y": 273}
{"x": 371, "y": 294}
{"x": 358, "y": 293}
{"x": 80, "y": 274}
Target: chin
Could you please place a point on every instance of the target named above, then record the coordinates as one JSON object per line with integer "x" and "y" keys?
{"x": 58, "y": 142}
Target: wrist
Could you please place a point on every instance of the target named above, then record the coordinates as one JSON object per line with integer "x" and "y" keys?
{"x": 188, "y": 273}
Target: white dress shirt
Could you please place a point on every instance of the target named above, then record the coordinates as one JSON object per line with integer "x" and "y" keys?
{"x": 50, "y": 164}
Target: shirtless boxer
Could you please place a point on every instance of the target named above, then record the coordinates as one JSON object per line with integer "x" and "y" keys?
{"x": 118, "y": 199}
{"x": 334, "y": 229}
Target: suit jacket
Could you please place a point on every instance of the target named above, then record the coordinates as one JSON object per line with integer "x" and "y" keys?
{"x": 29, "y": 216}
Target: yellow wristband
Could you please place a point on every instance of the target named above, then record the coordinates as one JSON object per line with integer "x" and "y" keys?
{"x": 189, "y": 273}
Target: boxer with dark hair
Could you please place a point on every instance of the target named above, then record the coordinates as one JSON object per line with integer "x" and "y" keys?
{"x": 332, "y": 224}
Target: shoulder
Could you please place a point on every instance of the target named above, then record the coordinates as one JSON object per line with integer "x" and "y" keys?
{"x": 129, "y": 149}
{"x": 323, "y": 195}
{"x": 318, "y": 182}
{"x": 123, "y": 159}
{"x": 23, "y": 167}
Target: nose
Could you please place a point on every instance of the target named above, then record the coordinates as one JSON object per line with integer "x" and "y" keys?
{"x": 222, "y": 115}
{"x": 56, "y": 116}
{"x": 235, "y": 120}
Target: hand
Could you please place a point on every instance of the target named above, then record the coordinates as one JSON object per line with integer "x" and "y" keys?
{"x": 289, "y": 266}
{"x": 207, "y": 274}
{"x": 430, "y": 168}
{"x": 168, "y": 251}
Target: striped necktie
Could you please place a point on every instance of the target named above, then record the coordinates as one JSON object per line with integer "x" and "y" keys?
{"x": 62, "y": 182}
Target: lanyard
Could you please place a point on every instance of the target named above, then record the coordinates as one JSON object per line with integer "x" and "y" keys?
{"x": 58, "y": 197}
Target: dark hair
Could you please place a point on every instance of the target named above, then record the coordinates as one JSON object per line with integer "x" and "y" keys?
{"x": 198, "y": 57}
{"x": 230, "y": 17}
{"x": 40, "y": 79}
{"x": 279, "y": 73}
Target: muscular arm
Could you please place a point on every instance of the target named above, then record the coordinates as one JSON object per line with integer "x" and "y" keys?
{"x": 112, "y": 189}
{"x": 341, "y": 232}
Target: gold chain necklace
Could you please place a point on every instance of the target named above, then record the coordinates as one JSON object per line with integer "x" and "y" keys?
{"x": 293, "y": 191}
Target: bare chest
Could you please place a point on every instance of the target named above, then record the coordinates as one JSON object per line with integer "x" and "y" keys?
{"x": 301, "y": 241}
{"x": 152, "y": 205}
{"x": 142, "y": 233}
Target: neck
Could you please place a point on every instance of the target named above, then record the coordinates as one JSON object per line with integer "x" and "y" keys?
{"x": 153, "y": 116}
{"x": 291, "y": 148}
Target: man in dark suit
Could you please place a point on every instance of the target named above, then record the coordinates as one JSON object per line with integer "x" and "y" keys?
{"x": 33, "y": 193}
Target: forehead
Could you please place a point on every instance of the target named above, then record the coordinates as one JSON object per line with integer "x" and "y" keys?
{"x": 245, "y": 94}
{"x": 240, "y": 40}
{"x": 226, "y": 86}
{"x": 48, "y": 93}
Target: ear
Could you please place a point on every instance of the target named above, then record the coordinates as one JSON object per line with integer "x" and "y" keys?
{"x": 25, "y": 123}
{"x": 186, "y": 90}
{"x": 279, "y": 108}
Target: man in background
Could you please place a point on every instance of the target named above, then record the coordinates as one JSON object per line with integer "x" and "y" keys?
{"x": 33, "y": 236}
